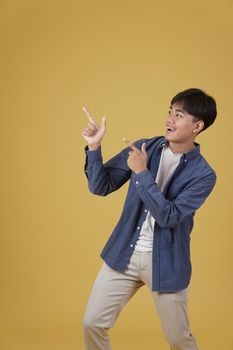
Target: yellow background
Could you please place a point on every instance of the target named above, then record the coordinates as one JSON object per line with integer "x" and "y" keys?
{"x": 124, "y": 59}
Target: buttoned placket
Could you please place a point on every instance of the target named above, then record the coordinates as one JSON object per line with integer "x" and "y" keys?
{"x": 144, "y": 211}
{"x": 139, "y": 226}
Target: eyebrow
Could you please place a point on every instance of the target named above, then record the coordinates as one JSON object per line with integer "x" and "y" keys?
{"x": 178, "y": 110}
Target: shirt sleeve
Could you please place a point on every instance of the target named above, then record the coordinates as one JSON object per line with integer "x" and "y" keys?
{"x": 169, "y": 213}
{"x": 106, "y": 178}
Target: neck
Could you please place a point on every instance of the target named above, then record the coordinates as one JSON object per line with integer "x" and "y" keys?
{"x": 181, "y": 147}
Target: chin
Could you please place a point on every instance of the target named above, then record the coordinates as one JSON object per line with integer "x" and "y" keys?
{"x": 173, "y": 138}
{"x": 170, "y": 137}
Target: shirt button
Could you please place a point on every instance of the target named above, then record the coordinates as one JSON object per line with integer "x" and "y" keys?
{"x": 131, "y": 245}
{"x": 137, "y": 182}
{"x": 145, "y": 210}
{"x": 138, "y": 228}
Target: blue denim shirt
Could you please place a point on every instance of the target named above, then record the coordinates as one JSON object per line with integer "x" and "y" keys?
{"x": 173, "y": 209}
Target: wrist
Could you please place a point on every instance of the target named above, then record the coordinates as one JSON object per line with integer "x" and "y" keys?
{"x": 140, "y": 170}
{"x": 93, "y": 147}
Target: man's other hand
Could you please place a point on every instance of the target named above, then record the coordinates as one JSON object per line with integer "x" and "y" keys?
{"x": 137, "y": 160}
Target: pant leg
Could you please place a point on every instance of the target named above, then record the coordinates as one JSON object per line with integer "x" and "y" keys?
{"x": 173, "y": 312}
{"x": 111, "y": 291}
{"x": 172, "y": 309}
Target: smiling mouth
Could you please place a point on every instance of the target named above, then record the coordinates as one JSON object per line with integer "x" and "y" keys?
{"x": 169, "y": 129}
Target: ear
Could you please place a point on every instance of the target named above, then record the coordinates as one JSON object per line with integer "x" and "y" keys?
{"x": 199, "y": 126}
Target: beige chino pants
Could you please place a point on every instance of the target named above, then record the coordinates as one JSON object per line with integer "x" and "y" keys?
{"x": 112, "y": 290}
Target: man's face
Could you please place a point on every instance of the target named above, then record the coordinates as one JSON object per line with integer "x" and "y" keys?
{"x": 180, "y": 125}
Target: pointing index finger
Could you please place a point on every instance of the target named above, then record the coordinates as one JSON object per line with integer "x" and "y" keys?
{"x": 130, "y": 144}
{"x": 88, "y": 114}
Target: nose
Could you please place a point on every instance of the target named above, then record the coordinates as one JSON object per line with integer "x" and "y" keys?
{"x": 170, "y": 118}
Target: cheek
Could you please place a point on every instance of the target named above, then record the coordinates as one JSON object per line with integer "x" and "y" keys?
{"x": 186, "y": 127}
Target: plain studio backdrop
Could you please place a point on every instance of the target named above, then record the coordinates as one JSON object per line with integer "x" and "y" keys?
{"x": 126, "y": 60}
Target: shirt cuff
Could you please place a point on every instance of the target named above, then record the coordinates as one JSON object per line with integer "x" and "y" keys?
{"x": 93, "y": 156}
{"x": 143, "y": 178}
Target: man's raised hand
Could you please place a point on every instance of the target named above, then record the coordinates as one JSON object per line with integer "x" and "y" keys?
{"x": 93, "y": 134}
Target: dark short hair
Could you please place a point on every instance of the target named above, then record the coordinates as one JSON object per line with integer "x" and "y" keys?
{"x": 198, "y": 104}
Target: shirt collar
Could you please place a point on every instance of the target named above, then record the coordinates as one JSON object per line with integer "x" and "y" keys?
{"x": 187, "y": 156}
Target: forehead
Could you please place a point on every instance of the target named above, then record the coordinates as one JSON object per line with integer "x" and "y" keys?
{"x": 179, "y": 107}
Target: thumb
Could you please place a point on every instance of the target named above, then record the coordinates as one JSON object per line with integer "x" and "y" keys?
{"x": 103, "y": 123}
{"x": 143, "y": 149}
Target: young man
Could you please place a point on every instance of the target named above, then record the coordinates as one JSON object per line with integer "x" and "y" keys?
{"x": 169, "y": 181}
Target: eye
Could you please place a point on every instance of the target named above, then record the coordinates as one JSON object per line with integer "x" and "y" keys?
{"x": 179, "y": 115}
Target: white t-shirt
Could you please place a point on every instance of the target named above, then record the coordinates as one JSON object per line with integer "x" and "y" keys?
{"x": 167, "y": 165}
